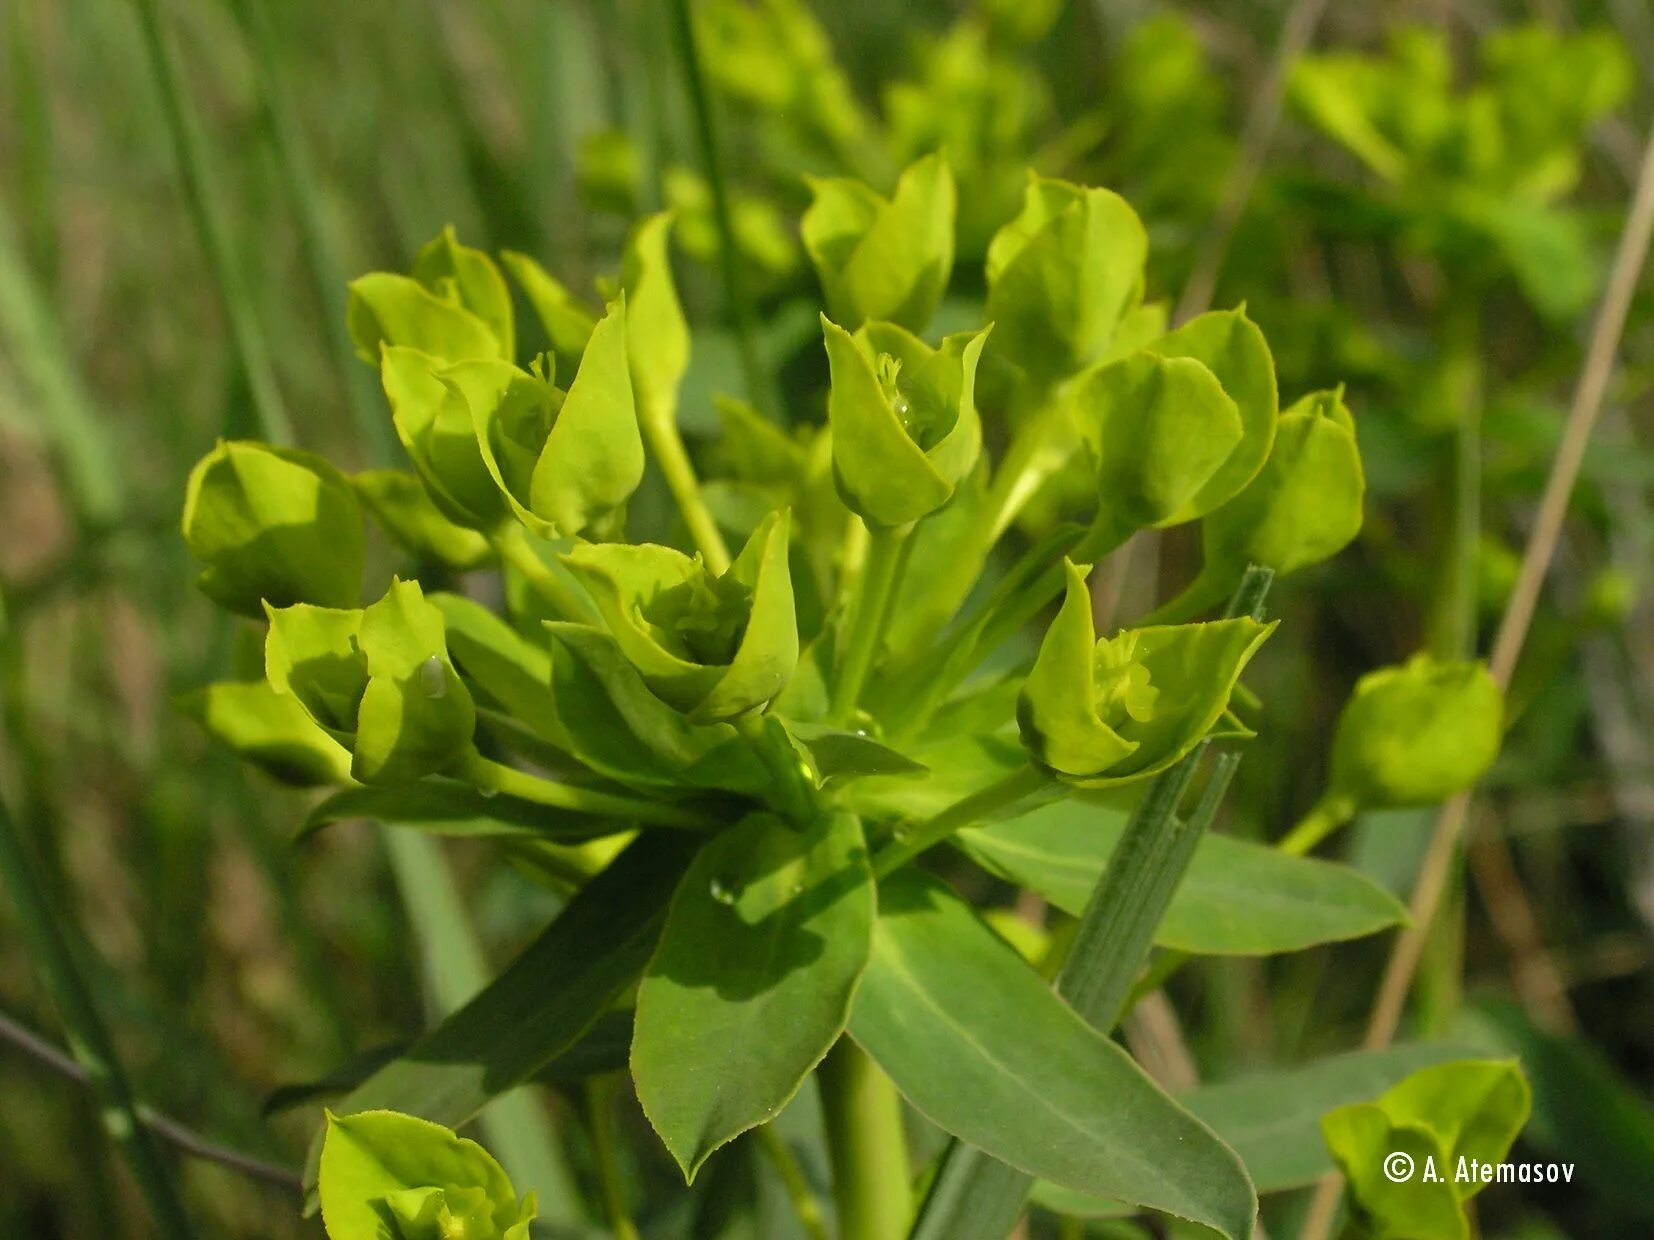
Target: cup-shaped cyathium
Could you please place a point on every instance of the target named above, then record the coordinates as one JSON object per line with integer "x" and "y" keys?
{"x": 711, "y": 646}
{"x": 1061, "y": 275}
{"x": 1099, "y": 713}
{"x": 378, "y": 679}
{"x": 454, "y": 306}
{"x": 903, "y": 418}
{"x": 566, "y": 462}
{"x": 1416, "y": 734}
{"x": 273, "y": 525}
{"x": 883, "y": 259}
{"x": 388, "y": 1176}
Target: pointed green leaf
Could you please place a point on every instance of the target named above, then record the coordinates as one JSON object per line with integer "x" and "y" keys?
{"x": 1237, "y": 899}
{"x": 980, "y": 1044}
{"x": 436, "y": 428}
{"x": 445, "y": 807}
{"x": 765, "y": 940}
{"x": 543, "y": 1001}
{"x": 657, "y": 340}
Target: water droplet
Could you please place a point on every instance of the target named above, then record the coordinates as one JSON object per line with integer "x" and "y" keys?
{"x": 725, "y": 891}
{"x": 433, "y": 677}
{"x": 798, "y": 889}
{"x": 489, "y": 792}
{"x": 903, "y": 833}
{"x": 902, "y": 408}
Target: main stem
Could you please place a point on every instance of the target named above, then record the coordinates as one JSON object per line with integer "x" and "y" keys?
{"x": 996, "y": 796}
{"x": 88, "y": 1039}
{"x": 866, "y": 1144}
{"x": 865, "y": 622}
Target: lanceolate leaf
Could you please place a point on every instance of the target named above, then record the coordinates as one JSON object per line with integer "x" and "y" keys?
{"x": 543, "y": 1001}
{"x": 766, "y": 938}
{"x": 1237, "y": 899}
{"x": 979, "y": 1042}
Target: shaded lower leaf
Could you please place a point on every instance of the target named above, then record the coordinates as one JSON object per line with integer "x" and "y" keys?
{"x": 543, "y": 1001}
{"x": 765, "y": 940}
{"x": 980, "y": 1044}
{"x": 1237, "y": 899}
{"x": 441, "y": 807}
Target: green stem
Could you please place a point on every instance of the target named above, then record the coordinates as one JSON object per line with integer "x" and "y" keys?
{"x": 1029, "y": 462}
{"x": 1324, "y": 817}
{"x": 599, "y": 1098}
{"x": 88, "y": 1039}
{"x": 667, "y": 446}
{"x": 804, "y": 1202}
{"x": 511, "y": 544}
{"x": 190, "y": 149}
{"x": 493, "y": 776}
{"x": 792, "y": 790}
{"x": 740, "y": 309}
{"x": 887, "y": 551}
{"x": 997, "y": 796}
{"x": 866, "y": 1145}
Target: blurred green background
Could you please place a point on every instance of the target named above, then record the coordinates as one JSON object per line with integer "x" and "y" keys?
{"x": 1424, "y": 209}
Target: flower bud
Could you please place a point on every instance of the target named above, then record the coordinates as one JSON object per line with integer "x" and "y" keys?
{"x": 1061, "y": 275}
{"x": 712, "y": 647}
{"x": 378, "y": 679}
{"x": 273, "y": 525}
{"x": 903, "y": 418}
{"x": 879, "y": 259}
{"x": 1415, "y": 734}
{"x": 1099, "y": 713}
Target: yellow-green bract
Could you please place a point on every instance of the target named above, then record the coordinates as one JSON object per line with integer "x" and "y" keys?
{"x": 378, "y": 679}
{"x": 1097, "y": 713}
{"x": 1061, "y": 275}
{"x": 1416, "y": 734}
{"x": 903, "y": 418}
{"x": 713, "y": 647}
{"x": 1401, "y": 1153}
{"x": 273, "y": 525}
{"x": 389, "y": 1176}
{"x": 883, "y": 259}
{"x": 565, "y": 462}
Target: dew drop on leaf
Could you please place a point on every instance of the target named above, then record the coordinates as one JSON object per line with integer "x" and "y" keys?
{"x": 433, "y": 677}
{"x": 725, "y": 891}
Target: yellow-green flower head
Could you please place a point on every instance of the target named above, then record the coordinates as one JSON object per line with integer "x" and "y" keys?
{"x": 883, "y": 259}
{"x": 712, "y": 647}
{"x": 903, "y": 417}
{"x": 388, "y": 1176}
{"x": 1415, "y": 734}
{"x": 377, "y": 679}
{"x": 273, "y": 525}
{"x": 1061, "y": 275}
{"x": 565, "y": 462}
{"x": 1098, "y": 713}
